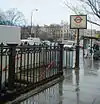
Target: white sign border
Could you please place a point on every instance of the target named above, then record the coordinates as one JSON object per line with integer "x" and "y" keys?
{"x": 79, "y": 27}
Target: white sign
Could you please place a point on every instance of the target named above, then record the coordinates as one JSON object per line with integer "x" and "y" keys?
{"x": 78, "y": 21}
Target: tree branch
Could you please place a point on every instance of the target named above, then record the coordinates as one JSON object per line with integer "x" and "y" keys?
{"x": 94, "y": 9}
{"x": 93, "y": 22}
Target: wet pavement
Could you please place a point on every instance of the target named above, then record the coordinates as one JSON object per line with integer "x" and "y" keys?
{"x": 78, "y": 87}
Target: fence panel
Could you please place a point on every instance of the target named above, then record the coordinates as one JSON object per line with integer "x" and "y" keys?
{"x": 28, "y": 66}
{"x": 35, "y": 63}
{"x": 68, "y": 58}
{"x": 4, "y": 61}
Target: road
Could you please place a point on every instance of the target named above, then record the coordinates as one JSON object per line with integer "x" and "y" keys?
{"x": 78, "y": 87}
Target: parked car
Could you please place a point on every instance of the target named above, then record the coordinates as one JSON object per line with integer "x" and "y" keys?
{"x": 31, "y": 41}
{"x": 70, "y": 44}
{"x": 46, "y": 42}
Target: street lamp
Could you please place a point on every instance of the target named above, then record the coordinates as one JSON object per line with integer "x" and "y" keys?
{"x": 32, "y": 19}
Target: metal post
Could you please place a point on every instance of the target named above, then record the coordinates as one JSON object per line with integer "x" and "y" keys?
{"x": 77, "y": 85}
{"x": 83, "y": 47}
{"x": 31, "y": 24}
{"x": 1, "y": 62}
{"x": 77, "y": 51}
{"x": 11, "y": 70}
{"x": 32, "y": 20}
{"x": 91, "y": 39}
{"x": 61, "y": 58}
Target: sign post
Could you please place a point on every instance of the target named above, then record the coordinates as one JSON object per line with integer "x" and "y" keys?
{"x": 78, "y": 22}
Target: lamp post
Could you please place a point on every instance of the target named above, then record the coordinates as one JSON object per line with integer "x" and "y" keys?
{"x": 32, "y": 19}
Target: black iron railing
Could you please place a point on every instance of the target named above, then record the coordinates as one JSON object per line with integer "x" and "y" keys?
{"x": 25, "y": 67}
{"x": 68, "y": 58}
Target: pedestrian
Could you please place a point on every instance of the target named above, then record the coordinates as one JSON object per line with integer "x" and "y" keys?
{"x": 97, "y": 47}
{"x": 87, "y": 53}
{"x": 94, "y": 46}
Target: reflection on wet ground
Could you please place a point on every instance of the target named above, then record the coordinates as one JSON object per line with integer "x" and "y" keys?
{"x": 78, "y": 87}
{"x": 49, "y": 96}
{"x": 91, "y": 67}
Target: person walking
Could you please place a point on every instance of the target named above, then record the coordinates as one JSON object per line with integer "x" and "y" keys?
{"x": 95, "y": 47}
{"x": 87, "y": 53}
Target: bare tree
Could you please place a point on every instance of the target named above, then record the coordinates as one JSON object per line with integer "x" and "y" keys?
{"x": 12, "y": 17}
{"x": 43, "y": 35}
{"x": 90, "y": 7}
{"x": 16, "y": 17}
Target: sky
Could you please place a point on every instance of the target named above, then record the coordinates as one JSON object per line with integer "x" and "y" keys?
{"x": 49, "y": 11}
